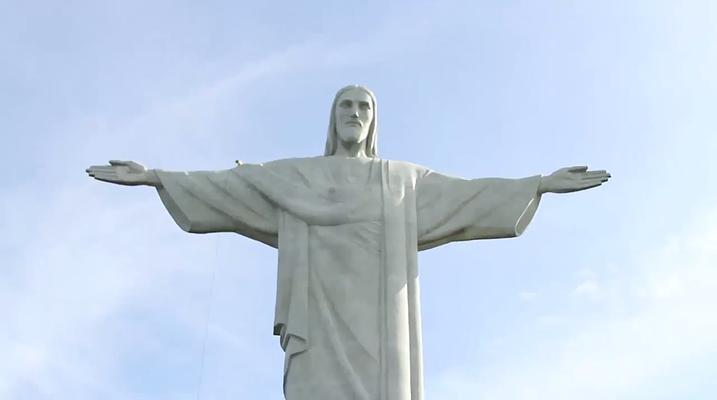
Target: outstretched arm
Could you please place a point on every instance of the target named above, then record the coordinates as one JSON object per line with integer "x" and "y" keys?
{"x": 451, "y": 209}
{"x": 203, "y": 201}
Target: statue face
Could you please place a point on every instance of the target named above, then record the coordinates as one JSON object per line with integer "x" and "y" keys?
{"x": 354, "y": 113}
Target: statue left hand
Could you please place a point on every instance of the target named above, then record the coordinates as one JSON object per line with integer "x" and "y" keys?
{"x": 572, "y": 179}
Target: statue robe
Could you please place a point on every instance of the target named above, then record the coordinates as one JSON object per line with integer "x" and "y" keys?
{"x": 348, "y": 232}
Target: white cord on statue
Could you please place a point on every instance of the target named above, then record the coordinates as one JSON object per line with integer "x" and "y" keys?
{"x": 209, "y": 307}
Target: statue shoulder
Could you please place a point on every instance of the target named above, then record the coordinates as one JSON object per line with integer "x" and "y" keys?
{"x": 280, "y": 163}
{"x": 409, "y": 167}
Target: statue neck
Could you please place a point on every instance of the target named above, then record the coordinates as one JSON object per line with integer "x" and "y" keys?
{"x": 351, "y": 150}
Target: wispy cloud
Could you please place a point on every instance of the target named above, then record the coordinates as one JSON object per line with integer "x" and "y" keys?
{"x": 85, "y": 265}
{"x": 587, "y": 288}
{"x": 527, "y": 296}
{"x": 664, "y": 333}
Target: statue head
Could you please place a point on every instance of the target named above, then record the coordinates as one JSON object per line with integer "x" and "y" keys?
{"x": 352, "y": 123}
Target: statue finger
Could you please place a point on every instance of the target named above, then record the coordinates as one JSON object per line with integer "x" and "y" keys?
{"x": 106, "y": 180}
{"x": 590, "y": 181}
{"x": 587, "y": 177}
{"x": 117, "y": 163}
{"x": 104, "y": 176}
{"x": 594, "y": 173}
{"x": 577, "y": 169}
{"x": 100, "y": 168}
{"x": 590, "y": 185}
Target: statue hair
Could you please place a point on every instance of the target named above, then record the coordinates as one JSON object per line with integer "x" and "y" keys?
{"x": 332, "y": 136}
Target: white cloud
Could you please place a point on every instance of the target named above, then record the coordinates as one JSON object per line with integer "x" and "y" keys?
{"x": 655, "y": 345}
{"x": 527, "y": 295}
{"x": 74, "y": 280}
{"x": 586, "y": 274}
{"x": 587, "y": 288}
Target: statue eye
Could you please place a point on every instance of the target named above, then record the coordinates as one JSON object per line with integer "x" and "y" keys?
{"x": 346, "y": 104}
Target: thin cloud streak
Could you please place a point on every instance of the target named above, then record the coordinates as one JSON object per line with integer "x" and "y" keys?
{"x": 74, "y": 254}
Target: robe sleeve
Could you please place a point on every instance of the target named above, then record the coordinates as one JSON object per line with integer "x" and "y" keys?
{"x": 451, "y": 209}
{"x": 219, "y": 201}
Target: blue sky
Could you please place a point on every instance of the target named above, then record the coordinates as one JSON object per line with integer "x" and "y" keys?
{"x": 609, "y": 294}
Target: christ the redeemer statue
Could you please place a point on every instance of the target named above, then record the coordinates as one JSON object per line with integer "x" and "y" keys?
{"x": 348, "y": 227}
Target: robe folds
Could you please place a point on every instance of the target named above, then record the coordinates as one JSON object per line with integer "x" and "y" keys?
{"x": 348, "y": 232}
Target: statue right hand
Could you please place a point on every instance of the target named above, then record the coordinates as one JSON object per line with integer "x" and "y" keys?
{"x": 128, "y": 173}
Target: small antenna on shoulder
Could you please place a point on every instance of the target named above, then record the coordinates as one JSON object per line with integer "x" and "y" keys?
{"x": 239, "y": 163}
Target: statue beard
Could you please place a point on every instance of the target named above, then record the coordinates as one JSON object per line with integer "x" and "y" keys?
{"x": 351, "y": 136}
